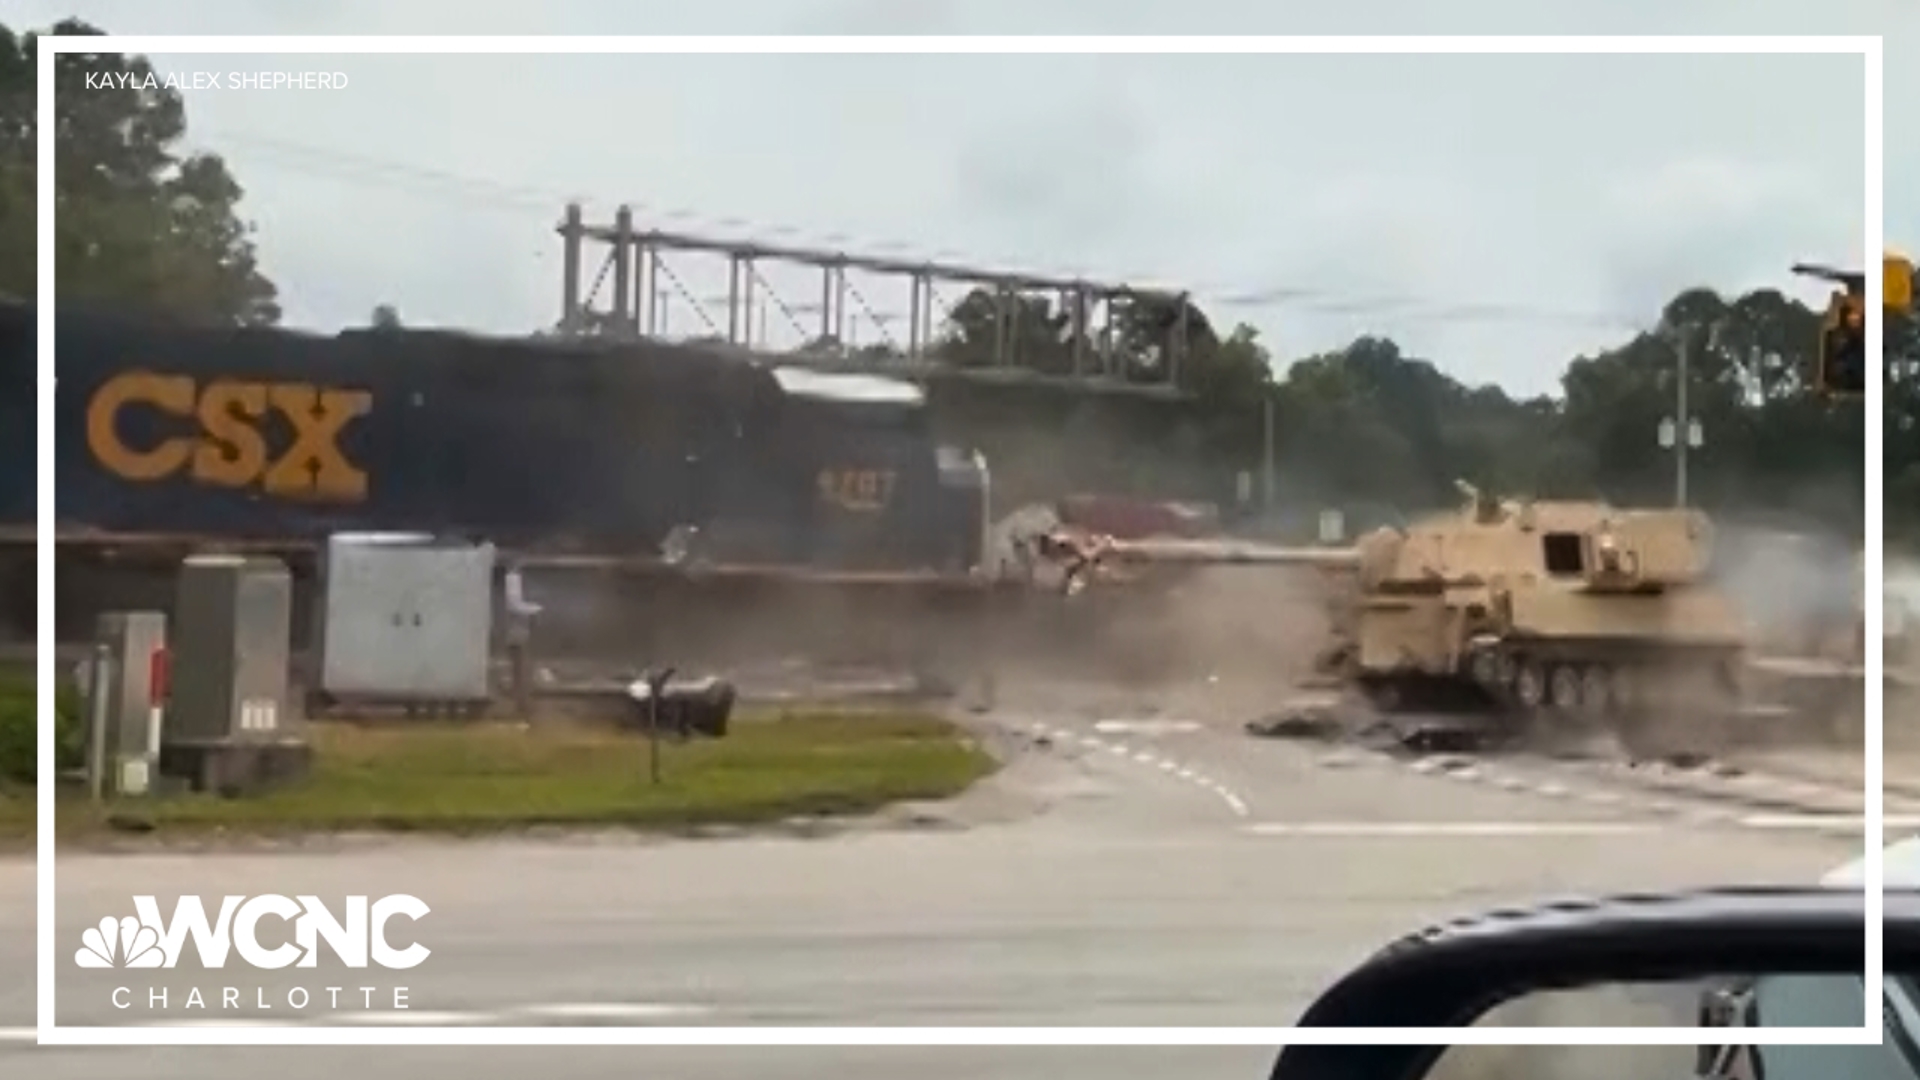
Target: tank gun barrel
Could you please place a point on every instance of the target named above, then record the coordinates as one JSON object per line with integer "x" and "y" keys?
{"x": 1227, "y": 552}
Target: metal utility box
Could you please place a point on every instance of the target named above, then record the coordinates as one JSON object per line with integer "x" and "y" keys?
{"x": 227, "y": 723}
{"x": 125, "y": 687}
{"x": 405, "y": 618}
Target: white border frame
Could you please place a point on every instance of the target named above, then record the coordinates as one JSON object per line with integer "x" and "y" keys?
{"x": 51, "y": 1034}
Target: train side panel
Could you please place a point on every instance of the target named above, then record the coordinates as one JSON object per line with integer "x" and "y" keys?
{"x": 18, "y": 489}
{"x": 263, "y": 434}
{"x": 243, "y": 434}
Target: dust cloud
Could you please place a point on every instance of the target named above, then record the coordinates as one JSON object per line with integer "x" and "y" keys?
{"x": 1799, "y": 590}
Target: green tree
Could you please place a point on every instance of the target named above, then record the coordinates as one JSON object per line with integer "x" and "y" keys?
{"x": 140, "y": 224}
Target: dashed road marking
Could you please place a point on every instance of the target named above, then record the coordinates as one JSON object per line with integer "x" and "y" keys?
{"x": 1143, "y": 757}
{"x": 422, "y": 1017}
{"x": 614, "y": 1010}
{"x": 1145, "y": 727}
{"x": 1474, "y": 771}
{"x": 1712, "y": 787}
{"x": 19, "y": 1034}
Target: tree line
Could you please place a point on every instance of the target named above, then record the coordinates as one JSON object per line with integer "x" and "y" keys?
{"x": 144, "y": 227}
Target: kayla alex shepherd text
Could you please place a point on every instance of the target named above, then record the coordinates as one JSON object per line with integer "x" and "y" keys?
{"x": 216, "y": 80}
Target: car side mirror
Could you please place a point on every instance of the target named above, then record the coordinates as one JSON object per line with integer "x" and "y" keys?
{"x": 1718, "y": 959}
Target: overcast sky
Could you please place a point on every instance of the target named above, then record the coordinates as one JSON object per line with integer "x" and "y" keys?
{"x": 1577, "y": 193}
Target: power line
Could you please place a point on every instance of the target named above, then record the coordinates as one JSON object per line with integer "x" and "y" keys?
{"x": 355, "y": 167}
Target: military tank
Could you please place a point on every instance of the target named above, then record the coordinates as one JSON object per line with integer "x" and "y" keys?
{"x": 1516, "y": 613}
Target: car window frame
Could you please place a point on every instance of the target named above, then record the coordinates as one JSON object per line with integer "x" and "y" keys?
{"x": 1899, "y": 994}
{"x": 1900, "y": 1019}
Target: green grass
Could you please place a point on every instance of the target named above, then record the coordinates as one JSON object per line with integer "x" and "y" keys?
{"x": 487, "y": 777}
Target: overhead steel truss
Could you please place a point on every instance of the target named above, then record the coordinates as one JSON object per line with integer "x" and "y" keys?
{"x": 635, "y": 259}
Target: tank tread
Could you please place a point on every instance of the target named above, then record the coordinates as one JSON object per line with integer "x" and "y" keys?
{"x": 1652, "y": 702}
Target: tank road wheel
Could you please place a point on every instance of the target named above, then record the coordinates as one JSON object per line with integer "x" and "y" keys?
{"x": 1485, "y": 668}
{"x": 1529, "y": 684}
{"x": 1626, "y": 690}
{"x": 1596, "y": 690}
{"x": 1563, "y": 688}
{"x": 1385, "y": 696}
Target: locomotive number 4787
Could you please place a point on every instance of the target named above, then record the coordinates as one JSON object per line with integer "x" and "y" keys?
{"x": 224, "y": 442}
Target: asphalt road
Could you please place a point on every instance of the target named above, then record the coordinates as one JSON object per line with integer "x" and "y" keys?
{"x": 1112, "y": 875}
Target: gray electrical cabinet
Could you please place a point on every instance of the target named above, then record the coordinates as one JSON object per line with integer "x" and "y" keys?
{"x": 227, "y": 725}
{"x": 406, "y": 618}
{"x": 124, "y": 686}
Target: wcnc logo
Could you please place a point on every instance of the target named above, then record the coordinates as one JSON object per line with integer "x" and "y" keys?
{"x": 145, "y": 940}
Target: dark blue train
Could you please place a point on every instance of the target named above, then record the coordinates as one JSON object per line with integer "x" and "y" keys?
{"x": 170, "y": 434}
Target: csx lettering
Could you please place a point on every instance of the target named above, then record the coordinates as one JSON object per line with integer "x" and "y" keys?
{"x": 230, "y": 449}
{"x": 857, "y": 489}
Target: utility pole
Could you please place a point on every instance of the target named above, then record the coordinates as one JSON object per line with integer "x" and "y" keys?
{"x": 1681, "y": 432}
{"x": 1684, "y": 421}
{"x": 1266, "y": 453}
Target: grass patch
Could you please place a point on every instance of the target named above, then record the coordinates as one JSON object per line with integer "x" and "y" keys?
{"x": 488, "y": 777}
{"x": 19, "y": 729}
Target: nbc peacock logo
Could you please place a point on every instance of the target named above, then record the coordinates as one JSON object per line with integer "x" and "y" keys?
{"x": 120, "y": 943}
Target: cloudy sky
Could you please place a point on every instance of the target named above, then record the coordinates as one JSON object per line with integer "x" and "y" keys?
{"x": 1407, "y": 195}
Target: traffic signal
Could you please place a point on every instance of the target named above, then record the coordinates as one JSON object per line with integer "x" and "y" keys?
{"x": 1898, "y": 278}
{"x": 1842, "y": 369}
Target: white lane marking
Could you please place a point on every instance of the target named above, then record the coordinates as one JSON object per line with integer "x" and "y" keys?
{"x": 1849, "y": 822}
{"x": 1234, "y": 803}
{"x": 19, "y": 1034}
{"x": 415, "y": 1016}
{"x": 1403, "y": 829}
{"x": 614, "y": 1010}
{"x": 1145, "y": 727}
{"x": 210, "y": 1022}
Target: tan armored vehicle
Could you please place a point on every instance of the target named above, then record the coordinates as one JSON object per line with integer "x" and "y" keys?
{"x": 1569, "y": 607}
{"x": 1520, "y": 609}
